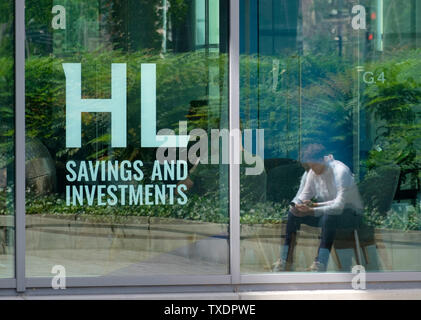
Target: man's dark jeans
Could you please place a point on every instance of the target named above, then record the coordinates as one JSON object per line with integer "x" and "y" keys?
{"x": 328, "y": 223}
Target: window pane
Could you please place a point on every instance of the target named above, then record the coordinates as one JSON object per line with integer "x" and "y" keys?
{"x": 7, "y": 146}
{"x": 335, "y": 87}
{"x": 110, "y": 190}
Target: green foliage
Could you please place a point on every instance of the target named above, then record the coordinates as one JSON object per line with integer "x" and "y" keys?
{"x": 7, "y": 111}
{"x": 327, "y": 92}
{"x": 178, "y": 10}
{"x": 264, "y": 213}
{"x": 316, "y": 99}
{"x": 7, "y": 32}
{"x": 410, "y": 220}
{"x": 198, "y": 208}
{"x": 313, "y": 101}
{"x": 93, "y": 25}
{"x": 7, "y": 201}
{"x": 395, "y": 105}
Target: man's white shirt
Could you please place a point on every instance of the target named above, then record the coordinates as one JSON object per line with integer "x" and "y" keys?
{"x": 334, "y": 189}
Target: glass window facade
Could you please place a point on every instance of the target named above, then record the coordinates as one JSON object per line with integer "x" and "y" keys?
{"x": 134, "y": 157}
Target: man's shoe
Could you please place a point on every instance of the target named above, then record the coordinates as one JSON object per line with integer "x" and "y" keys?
{"x": 279, "y": 266}
{"x": 317, "y": 267}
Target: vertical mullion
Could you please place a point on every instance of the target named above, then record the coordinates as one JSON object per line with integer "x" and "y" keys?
{"x": 20, "y": 144}
{"x": 234, "y": 125}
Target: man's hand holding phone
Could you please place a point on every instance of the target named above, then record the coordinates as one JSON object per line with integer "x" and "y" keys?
{"x": 302, "y": 210}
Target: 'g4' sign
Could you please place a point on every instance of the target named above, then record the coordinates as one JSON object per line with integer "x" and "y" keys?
{"x": 117, "y": 106}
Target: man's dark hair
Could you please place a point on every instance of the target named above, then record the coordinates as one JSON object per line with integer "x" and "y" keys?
{"x": 313, "y": 153}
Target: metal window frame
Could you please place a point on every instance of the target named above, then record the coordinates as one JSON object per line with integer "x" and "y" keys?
{"x": 138, "y": 281}
{"x": 7, "y": 283}
{"x": 234, "y": 124}
{"x": 235, "y": 278}
{"x": 20, "y": 145}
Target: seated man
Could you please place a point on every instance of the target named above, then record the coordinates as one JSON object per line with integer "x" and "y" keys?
{"x": 328, "y": 198}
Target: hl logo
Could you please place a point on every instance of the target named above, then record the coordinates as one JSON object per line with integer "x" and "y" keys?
{"x": 117, "y": 106}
